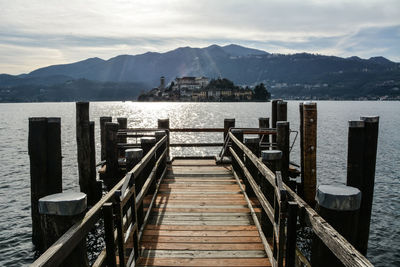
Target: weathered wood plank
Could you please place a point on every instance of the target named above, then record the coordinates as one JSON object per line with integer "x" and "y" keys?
{"x": 200, "y": 233}
{"x": 204, "y": 222}
{"x": 203, "y": 210}
{"x": 204, "y": 262}
{"x": 203, "y": 254}
{"x": 203, "y": 218}
{"x": 198, "y": 246}
{"x": 203, "y": 228}
{"x": 202, "y": 239}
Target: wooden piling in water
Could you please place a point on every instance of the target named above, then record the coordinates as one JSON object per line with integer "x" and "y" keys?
{"x": 271, "y": 159}
{"x": 97, "y": 185}
{"x": 281, "y": 111}
{"x": 365, "y": 180}
{"x": 112, "y": 171}
{"x": 339, "y": 206}
{"x": 58, "y": 212}
{"x": 274, "y": 113}
{"x": 282, "y": 142}
{"x": 164, "y": 124}
{"x": 133, "y": 157}
{"x": 310, "y": 151}
{"x": 123, "y": 124}
{"x": 300, "y": 187}
{"x": 264, "y": 123}
{"x": 103, "y": 121}
{"x": 44, "y": 148}
{"x": 87, "y": 176}
{"x": 228, "y": 123}
{"x": 355, "y": 153}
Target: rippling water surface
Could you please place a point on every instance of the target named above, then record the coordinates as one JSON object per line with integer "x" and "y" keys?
{"x": 15, "y": 222}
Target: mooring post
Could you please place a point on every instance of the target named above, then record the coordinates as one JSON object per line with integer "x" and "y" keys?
{"x": 96, "y": 186}
{"x": 263, "y": 123}
{"x": 300, "y": 190}
{"x": 310, "y": 151}
{"x": 147, "y": 143}
{"x": 112, "y": 167}
{"x": 282, "y": 141}
{"x": 281, "y": 111}
{"x": 103, "y": 121}
{"x": 164, "y": 124}
{"x": 252, "y": 143}
{"x": 58, "y": 212}
{"x": 44, "y": 148}
{"x": 87, "y": 181}
{"x": 133, "y": 157}
{"x": 239, "y": 135}
{"x": 123, "y": 125}
{"x": 271, "y": 159}
{"x": 274, "y": 113}
{"x": 365, "y": 181}
{"x": 355, "y": 153}
{"x": 228, "y": 123}
{"x": 291, "y": 234}
{"x": 339, "y": 206}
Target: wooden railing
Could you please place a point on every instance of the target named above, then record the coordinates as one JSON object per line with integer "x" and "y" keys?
{"x": 122, "y": 211}
{"x": 280, "y": 203}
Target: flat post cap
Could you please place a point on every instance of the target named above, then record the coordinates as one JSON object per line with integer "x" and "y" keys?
{"x": 133, "y": 153}
{"x": 148, "y": 140}
{"x": 268, "y": 155}
{"x": 338, "y": 197}
{"x": 252, "y": 140}
{"x": 63, "y": 204}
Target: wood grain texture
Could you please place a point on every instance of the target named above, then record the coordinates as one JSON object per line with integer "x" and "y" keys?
{"x": 201, "y": 218}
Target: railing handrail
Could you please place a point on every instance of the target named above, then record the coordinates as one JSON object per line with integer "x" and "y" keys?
{"x": 342, "y": 249}
{"x": 57, "y": 253}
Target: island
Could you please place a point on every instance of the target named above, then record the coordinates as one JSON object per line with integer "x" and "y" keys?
{"x": 202, "y": 89}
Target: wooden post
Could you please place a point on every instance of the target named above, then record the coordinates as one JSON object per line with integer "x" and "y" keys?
{"x": 281, "y": 110}
{"x": 310, "y": 151}
{"x": 271, "y": 159}
{"x": 228, "y": 123}
{"x": 103, "y": 121}
{"x": 239, "y": 135}
{"x": 133, "y": 157}
{"x": 282, "y": 141}
{"x": 123, "y": 125}
{"x": 291, "y": 234}
{"x": 274, "y": 104}
{"x": 252, "y": 143}
{"x": 87, "y": 181}
{"x": 112, "y": 167}
{"x": 365, "y": 182}
{"x": 109, "y": 234}
{"x": 54, "y": 157}
{"x": 96, "y": 186}
{"x": 44, "y": 148}
{"x": 339, "y": 206}
{"x": 58, "y": 212}
{"x": 300, "y": 187}
{"x": 263, "y": 123}
{"x": 164, "y": 124}
{"x": 355, "y": 153}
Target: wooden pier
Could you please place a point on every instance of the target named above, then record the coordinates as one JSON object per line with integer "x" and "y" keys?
{"x": 239, "y": 208}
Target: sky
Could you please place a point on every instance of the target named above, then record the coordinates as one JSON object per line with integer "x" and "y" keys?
{"x": 38, "y": 33}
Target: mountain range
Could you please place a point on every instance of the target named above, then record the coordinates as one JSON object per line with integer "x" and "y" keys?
{"x": 300, "y": 75}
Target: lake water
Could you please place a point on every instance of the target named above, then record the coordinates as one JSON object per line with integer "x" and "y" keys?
{"x": 15, "y": 222}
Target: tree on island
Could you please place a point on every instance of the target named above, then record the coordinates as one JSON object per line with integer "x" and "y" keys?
{"x": 221, "y": 84}
{"x": 261, "y": 93}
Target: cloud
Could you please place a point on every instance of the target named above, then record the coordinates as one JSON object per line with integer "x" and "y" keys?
{"x": 53, "y": 31}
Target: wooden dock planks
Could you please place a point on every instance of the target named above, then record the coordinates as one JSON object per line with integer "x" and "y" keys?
{"x": 201, "y": 218}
